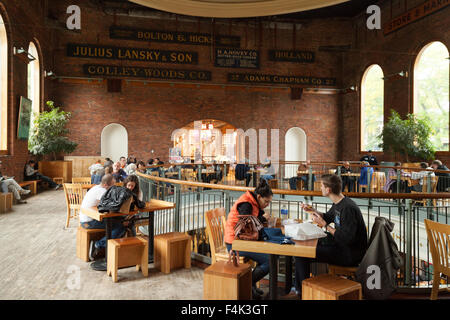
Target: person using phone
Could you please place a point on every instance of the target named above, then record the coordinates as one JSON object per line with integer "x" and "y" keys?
{"x": 346, "y": 242}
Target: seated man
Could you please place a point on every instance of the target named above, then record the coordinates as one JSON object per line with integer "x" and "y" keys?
{"x": 118, "y": 173}
{"x": 8, "y": 184}
{"x": 241, "y": 173}
{"x": 303, "y": 177}
{"x": 346, "y": 242}
{"x": 92, "y": 199}
{"x": 347, "y": 181}
{"x": 444, "y": 178}
{"x": 268, "y": 172}
{"x": 419, "y": 175}
{"x": 97, "y": 171}
{"x": 32, "y": 174}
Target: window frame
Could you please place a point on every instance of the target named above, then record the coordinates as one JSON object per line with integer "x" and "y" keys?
{"x": 361, "y": 105}
{"x": 4, "y": 85}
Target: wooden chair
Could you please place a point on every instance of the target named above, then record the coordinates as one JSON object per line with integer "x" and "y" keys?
{"x": 439, "y": 239}
{"x": 378, "y": 181}
{"x": 215, "y": 229}
{"x": 330, "y": 287}
{"x": 83, "y": 180}
{"x": 434, "y": 181}
{"x": 74, "y": 195}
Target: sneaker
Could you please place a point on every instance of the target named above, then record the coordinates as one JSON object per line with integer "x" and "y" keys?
{"x": 99, "y": 253}
{"x": 20, "y": 201}
{"x": 58, "y": 186}
{"x": 25, "y": 191}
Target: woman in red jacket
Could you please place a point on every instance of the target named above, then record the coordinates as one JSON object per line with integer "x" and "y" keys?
{"x": 251, "y": 203}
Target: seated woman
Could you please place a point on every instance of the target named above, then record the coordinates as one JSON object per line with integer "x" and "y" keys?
{"x": 391, "y": 184}
{"x": 32, "y": 174}
{"x": 8, "y": 184}
{"x": 118, "y": 173}
{"x": 269, "y": 172}
{"x": 132, "y": 183}
{"x": 251, "y": 203}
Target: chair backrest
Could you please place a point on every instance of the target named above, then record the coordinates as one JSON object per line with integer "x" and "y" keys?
{"x": 215, "y": 228}
{"x": 83, "y": 180}
{"x": 434, "y": 181}
{"x": 378, "y": 181}
{"x": 439, "y": 239}
{"x": 74, "y": 195}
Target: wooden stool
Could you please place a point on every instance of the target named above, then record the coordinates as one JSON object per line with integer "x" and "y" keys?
{"x": 172, "y": 250}
{"x": 31, "y": 184}
{"x": 223, "y": 281}
{"x": 127, "y": 252}
{"x": 84, "y": 237}
{"x": 6, "y": 202}
{"x": 58, "y": 180}
{"x": 342, "y": 271}
{"x": 330, "y": 287}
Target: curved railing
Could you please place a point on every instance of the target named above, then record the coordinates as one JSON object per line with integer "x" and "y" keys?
{"x": 407, "y": 211}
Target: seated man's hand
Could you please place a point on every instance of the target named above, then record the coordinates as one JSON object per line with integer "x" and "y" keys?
{"x": 319, "y": 220}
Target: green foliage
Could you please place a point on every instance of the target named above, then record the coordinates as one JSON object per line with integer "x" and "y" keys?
{"x": 409, "y": 137}
{"x": 48, "y": 133}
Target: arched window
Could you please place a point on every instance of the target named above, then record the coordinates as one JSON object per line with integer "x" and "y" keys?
{"x": 3, "y": 86}
{"x": 34, "y": 82}
{"x": 372, "y": 108}
{"x": 431, "y": 91}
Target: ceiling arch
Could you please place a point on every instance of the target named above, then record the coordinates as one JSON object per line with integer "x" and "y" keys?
{"x": 235, "y": 8}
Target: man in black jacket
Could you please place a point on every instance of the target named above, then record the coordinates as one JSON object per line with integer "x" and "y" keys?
{"x": 444, "y": 178}
{"x": 346, "y": 242}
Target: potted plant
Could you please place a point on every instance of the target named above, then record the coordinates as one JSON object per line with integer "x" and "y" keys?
{"x": 409, "y": 137}
{"x": 48, "y": 137}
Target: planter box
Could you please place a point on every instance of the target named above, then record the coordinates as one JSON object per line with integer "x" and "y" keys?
{"x": 54, "y": 169}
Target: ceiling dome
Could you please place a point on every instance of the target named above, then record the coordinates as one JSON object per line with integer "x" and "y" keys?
{"x": 235, "y": 8}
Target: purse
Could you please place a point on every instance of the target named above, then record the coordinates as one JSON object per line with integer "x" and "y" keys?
{"x": 247, "y": 228}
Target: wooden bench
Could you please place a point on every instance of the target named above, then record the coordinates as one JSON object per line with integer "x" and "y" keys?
{"x": 330, "y": 287}
{"x": 6, "y": 202}
{"x": 32, "y": 184}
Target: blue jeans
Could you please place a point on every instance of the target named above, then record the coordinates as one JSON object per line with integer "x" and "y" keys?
{"x": 4, "y": 187}
{"x": 118, "y": 230}
{"x": 261, "y": 258}
{"x": 267, "y": 177}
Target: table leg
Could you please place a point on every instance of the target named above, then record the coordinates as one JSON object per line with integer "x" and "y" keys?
{"x": 151, "y": 236}
{"x": 101, "y": 265}
{"x": 288, "y": 282}
{"x": 273, "y": 276}
{"x": 255, "y": 177}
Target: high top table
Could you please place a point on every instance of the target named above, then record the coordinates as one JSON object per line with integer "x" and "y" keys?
{"x": 305, "y": 249}
{"x": 150, "y": 207}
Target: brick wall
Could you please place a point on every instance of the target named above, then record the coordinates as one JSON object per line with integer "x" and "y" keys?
{"x": 24, "y": 22}
{"x": 394, "y": 52}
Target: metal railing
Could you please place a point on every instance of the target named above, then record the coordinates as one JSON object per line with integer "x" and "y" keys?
{"x": 406, "y": 211}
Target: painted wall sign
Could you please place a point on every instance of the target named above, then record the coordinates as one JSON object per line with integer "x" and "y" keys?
{"x": 131, "y": 54}
{"x": 148, "y": 73}
{"x": 419, "y": 12}
{"x": 191, "y": 38}
{"x": 236, "y": 58}
{"x": 279, "y": 79}
{"x": 291, "y": 56}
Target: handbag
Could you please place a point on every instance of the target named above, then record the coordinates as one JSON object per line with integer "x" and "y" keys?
{"x": 247, "y": 228}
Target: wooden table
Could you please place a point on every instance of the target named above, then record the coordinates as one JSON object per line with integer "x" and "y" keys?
{"x": 305, "y": 249}
{"x": 408, "y": 179}
{"x": 150, "y": 207}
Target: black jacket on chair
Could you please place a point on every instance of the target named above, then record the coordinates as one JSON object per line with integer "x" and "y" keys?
{"x": 240, "y": 171}
{"x": 113, "y": 199}
{"x": 382, "y": 253}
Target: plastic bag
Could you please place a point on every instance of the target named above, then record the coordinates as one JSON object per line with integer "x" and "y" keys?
{"x": 303, "y": 231}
